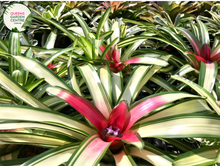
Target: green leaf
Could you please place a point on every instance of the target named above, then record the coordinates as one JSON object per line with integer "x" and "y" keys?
{"x": 108, "y": 48}
{"x": 72, "y": 78}
{"x": 201, "y": 157}
{"x": 105, "y": 77}
{"x": 151, "y": 154}
{"x": 14, "y": 49}
{"x": 117, "y": 86}
{"x": 207, "y": 75}
{"x": 162, "y": 83}
{"x": 181, "y": 126}
{"x": 92, "y": 145}
{"x": 97, "y": 91}
{"x": 54, "y": 156}
{"x": 133, "y": 83}
{"x": 57, "y": 54}
{"x": 87, "y": 47}
{"x": 3, "y": 46}
{"x": 41, "y": 71}
{"x": 104, "y": 18}
{"x": 128, "y": 52}
{"x": 16, "y": 89}
{"x": 62, "y": 28}
{"x": 194, "y": 41}
{"x": 124, "y": 158}
{"x": 83, "y": 24}
{"x": 106, "y": 35}
{"x": 51, "y": 39}
{"x": 200, "y": 90}
{"x": 34, "y": 84}
{"x": 49, "y": 117}
{"x": 176, "y": 37}
{"x": 28, "y": 21}
{"x": 144, "y": 80}
{"x": 195, "y": 105}
{"x": 203, "y": 32}
{"x": 33, "y": 125}
{"x": 27, "y": 138}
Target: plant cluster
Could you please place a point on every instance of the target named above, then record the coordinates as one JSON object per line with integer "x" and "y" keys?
{"x": 111, "y": 83}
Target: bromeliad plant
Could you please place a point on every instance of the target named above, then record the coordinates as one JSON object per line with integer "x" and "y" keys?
{"x": 116, "y": 129}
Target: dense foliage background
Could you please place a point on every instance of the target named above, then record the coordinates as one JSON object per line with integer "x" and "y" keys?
{"x": 111, "y": 83}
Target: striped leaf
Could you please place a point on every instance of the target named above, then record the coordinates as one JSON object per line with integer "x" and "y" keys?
{"x": 128, "y": 52}
{"x": 207, "y": 75}
{"x": 105, "y": 77}
{"x": 200, "y": 90}
{"x": 162, "y": 83}
{"x": 51, "y": 39}
{"x": 14, "y": 49}
{"x": 82, "y": 105}
{"x": 181, "y": 126}
{"x": 104, "y": 18}
{"x": 203, "y": 32}
{"x": 15, "y": 88}
{"x": 123, "y": 158}
{"x": 72, "y": 78}
{"x": 57, "y": 54}
{"x": 83, "y": 24}
{"x": 148, "y": 104}
{"x": 133, "y": 83}
{"x": 14, "y": 124}
{"x": 49, "y": 117}
{"x": 34, "y": 84}
{"x": 151, "y": 154}
{"x": 177, "y": 38}
{"x": 192, "y": 39}
{"x": 41, "y": 71}
{"x": 147, "y": 76}
{"x": 201, "y": 157}
{"x": 196, "y": 105}
{"x": 27, "y": 138}
{"x": 98, "y": 93}
{"x": 92, "y": 145}
{"x": 62, "y": 28}
{"x": 117, "y": 86}
{"x": 54, "y": 156}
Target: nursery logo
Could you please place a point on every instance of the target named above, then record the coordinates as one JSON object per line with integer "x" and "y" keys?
{"x": 17, "y": 16}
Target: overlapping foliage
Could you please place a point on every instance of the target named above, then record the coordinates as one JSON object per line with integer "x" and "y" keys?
{"x": 113, "y": 84}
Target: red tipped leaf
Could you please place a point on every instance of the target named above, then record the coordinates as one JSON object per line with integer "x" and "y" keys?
{"x": 81, "y": 105}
